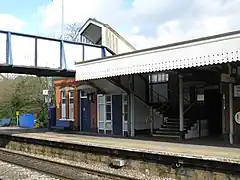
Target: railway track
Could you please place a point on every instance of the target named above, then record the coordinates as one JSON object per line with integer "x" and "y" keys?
{"x": 53, "y": 168}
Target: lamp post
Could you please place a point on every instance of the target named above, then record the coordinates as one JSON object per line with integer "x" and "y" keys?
{"x": 62, "y": 26}
{"x": 62, "y": 19}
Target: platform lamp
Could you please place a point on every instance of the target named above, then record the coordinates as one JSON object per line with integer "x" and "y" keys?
{"x": 90, "y": 97}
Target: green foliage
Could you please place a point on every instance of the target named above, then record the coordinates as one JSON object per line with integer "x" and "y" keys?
{"x": 24, "y": 94}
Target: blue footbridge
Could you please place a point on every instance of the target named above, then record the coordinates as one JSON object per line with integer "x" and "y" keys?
{"x": 43, "y": 56}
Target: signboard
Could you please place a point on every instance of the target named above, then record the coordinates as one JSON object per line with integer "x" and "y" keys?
{"x": 45, "y": 92}
{"x": 227, "y": 78}
{"x": 236, "y": 91}
{"x": 237, "y": 117}
{"x": 17, "y": 113}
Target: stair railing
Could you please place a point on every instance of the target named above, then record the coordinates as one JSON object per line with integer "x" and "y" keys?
{"x": 186, "y": 100}
{"x": 189, "y": 107}
{"x": 164, "y": 107}
{"x": 158, "y": 96}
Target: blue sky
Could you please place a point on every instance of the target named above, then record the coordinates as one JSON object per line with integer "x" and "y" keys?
{"x": 24, "y": 10}
{"x": 28, "y": 11}
{"x": 155, "y": 22}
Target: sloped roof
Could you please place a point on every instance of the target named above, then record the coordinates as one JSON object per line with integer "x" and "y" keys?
{"x": 97, "y": 23}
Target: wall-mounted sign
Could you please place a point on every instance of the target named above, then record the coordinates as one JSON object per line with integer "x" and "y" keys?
{"x": 227, "y": 78}
{"x": 237, "y": 117}
{"x": 236, "y": 91}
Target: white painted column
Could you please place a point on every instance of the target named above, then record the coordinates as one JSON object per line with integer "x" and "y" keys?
{"x": 151, "y": 119}
{"x": 131, "y": 106}
{"x": 231, "y": 113}
{"x": 132, "y": 114}
{"x": 230, "y": 89}
{"x": 181, "y": 118}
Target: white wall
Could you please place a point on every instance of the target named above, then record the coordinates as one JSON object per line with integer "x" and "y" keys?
{"x": 113, "y": 42}
{"x": 141, "y": 115}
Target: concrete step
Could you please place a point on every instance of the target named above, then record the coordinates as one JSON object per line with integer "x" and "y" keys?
{"x": 174, "y": 123}
{"x": 165, "y": 135}
{"x": 173, "y": 126}
{"x": 172, "y": 129}
{"x": 175, "y": 120}
{"x": 167, "y": 132}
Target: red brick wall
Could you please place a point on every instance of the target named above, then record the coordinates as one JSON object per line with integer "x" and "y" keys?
{"x": 72, "y": 83}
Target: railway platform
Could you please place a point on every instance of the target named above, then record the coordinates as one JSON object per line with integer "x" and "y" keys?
{"x": 204, "y": 152}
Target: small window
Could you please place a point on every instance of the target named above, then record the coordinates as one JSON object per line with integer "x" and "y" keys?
{"x": 108, "y": 99}
{"x": 125, "y": 108}
{"x": 108, "y": 116}
{"x": 83, "y": 94}
{"x": 125, "y": 98}
{"x": 158, "y": 78}
{"x": 108, "y": 108}
{"x": 63, "y": 101}
{"x": 71, "y": 94}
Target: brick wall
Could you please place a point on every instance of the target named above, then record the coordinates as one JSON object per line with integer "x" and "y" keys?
{"x": 65, "y": 83}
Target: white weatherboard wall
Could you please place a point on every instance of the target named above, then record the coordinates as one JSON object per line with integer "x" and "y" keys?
{"x": 113, "y": 42}
{"x": 200, "y": 53}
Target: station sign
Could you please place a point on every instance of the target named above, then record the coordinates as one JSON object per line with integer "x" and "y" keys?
{"x": 237, "y": 117}
{"x": 227, "y": 78}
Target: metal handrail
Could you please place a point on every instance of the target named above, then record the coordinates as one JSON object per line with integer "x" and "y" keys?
{"x": 189, "y": 107}
{"x": 158, "y": 95}
{"x": 186, "y": 100}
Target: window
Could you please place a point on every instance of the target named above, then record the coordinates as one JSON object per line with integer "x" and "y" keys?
{"x": 104, "y": 113}
{"x": 158, "y": 78}
{"x": 71, "y": 104}
{"x": 108, "y": 108}
{"x": 83, "y": 94}
{"x": 63, "y": 104}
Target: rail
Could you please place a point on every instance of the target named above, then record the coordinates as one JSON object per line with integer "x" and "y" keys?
{"x": 55, "y": 168}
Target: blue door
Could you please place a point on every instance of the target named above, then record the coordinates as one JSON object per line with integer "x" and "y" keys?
{"x": 117, "y": 114}
{"x": 85, "y": 107}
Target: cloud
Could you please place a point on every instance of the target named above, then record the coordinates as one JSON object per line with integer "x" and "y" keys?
{"x": 143, "y": 23}
{"x": 10, "y": 23}
{"x": 153, "y": 22}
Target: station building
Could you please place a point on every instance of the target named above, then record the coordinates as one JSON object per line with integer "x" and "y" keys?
{"x": 188, "y": 89}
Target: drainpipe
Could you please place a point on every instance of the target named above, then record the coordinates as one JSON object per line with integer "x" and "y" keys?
{"x": 230, "y": 88}
{"x": 181, "y": 118}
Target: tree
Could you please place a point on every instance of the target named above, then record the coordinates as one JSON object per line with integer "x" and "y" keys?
{"x": 72, "y": 32}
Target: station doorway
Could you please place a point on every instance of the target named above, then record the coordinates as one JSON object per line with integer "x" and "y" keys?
{"x": 213, "y": 105}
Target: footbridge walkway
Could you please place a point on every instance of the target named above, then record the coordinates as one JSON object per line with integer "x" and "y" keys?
{"x": 43, "y": 56}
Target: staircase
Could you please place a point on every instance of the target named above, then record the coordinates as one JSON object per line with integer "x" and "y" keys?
{"x": 170, "y": 128}
{"x": 171, "y": 125}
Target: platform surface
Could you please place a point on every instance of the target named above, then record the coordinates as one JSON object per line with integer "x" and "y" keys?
{"x": 222, "y": 154}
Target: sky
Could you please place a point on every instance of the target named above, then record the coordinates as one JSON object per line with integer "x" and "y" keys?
{"x": 144, "y": 23}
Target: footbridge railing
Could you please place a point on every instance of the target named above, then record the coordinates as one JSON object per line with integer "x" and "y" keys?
{"x": 18, "y": 49}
